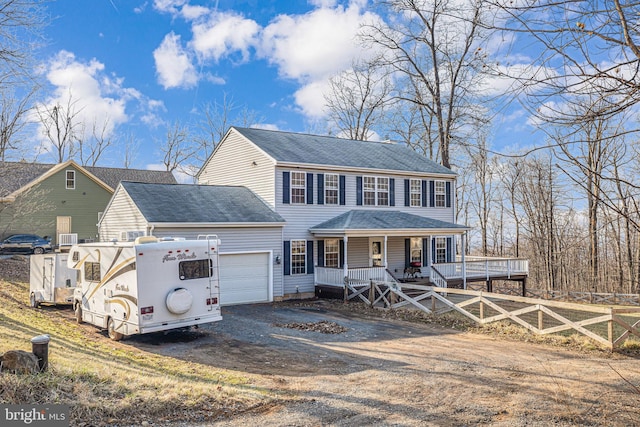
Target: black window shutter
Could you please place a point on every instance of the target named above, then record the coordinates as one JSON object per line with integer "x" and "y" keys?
{"x": 320, "y": 253}
{"x": 424, "y": 193}
{"x": 359, "y": 190}
{"x": 320, "y": 178}
{"x": 432, "y": 193}
{"x": 407, "y": 195}
{"x": 309, "y": 256}
{"x": 407, "y": 252}
{"x": 392, "y": 191}
{"x": 341, "y": 254}
{"x": 285, "y": 187}
{"x": 425, "y": 252}
{"x": 449, "y": 249}
{"x": 343, "y": 194}
{"x": 287, "y": 257}
{"x": 448, "y": 193}
{"x": 309, "y": 188}
{"x": 433, "y": 250}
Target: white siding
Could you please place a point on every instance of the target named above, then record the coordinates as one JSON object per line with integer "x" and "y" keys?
{"x": 234, "y": 240}
{"x": 233, "y": 164}
{"x": 121, "y": 215}
{"x": 358, "y": 252}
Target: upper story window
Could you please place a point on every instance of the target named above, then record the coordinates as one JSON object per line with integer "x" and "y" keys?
{"x": 298, "y": 256}
{"x": 298, "y": 187}
{"x": 331, "y": 189}
{"x": 375, "y": 191}
{"x": 440, "y": 194}
{"x": 415, "y": 193}
{"x": 70, "y": 180}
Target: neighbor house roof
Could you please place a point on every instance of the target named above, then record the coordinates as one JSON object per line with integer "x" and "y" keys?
{"x": 189, "y": 204}
{"x": 384, "y": 221}
{"x": 16, "y": 177}
{"x": 287, "y": 147}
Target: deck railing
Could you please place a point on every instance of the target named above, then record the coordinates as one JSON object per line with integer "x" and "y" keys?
{"x": 335, "y": 276}
{"x": 485, "y": 267}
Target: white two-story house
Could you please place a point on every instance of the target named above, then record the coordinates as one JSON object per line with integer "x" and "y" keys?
{"x": 351, "y": 208}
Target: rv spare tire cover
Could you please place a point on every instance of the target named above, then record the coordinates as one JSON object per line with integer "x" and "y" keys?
{"x": 179, "y": 301}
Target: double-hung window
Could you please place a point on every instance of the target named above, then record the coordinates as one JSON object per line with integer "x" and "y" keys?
{"x": 70, "y": 180}
{"x": 331, "y": 253}
{"x": 331, "y": 184}
{"x": 440, "y": 194}
{"x": 441, "y": 249}
{"x": 298, "y": 187}
{"x": 298, "y": 256}
{"x": 375, "y": 191}
{"x": 415, "y": 192}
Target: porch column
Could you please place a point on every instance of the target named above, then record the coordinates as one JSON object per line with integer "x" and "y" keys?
{"x": 463, "y": 238}
{"x": 386, "y": 262}
{"x": 429, "y": 255}
{"x": 346, "y": 267}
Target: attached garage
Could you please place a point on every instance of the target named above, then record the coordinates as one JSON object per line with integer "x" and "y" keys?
{"x": 250, "y": 232}
{"x": 245, "y": 278}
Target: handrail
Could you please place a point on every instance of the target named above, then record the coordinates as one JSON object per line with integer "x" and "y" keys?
{"x": 439, "y": 279}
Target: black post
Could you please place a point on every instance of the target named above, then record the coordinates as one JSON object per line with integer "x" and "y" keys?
{"x": 40, "y": 347}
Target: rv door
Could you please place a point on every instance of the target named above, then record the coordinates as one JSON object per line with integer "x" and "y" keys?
{"x": 48, "y": 278}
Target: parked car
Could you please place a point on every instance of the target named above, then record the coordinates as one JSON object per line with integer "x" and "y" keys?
{"x": 25, "y": 243}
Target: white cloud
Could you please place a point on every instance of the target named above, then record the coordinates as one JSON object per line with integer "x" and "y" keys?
{"x": 173, "y": 65}
{"x": 310, "y": 99}
{"x": 223, "y": 34}
{"x": 168, "y": 6}
{"x": 95, "y": 97}
{"x": 317, "y": 44}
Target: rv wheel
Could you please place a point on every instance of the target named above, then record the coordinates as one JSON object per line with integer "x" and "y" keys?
{"x": 32, "y": 301}
{"x": 111, "y": 330}
{"x": 78, "y": 312}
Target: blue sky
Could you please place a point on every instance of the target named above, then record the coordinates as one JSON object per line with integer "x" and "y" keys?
{"x": 145, "y": 64}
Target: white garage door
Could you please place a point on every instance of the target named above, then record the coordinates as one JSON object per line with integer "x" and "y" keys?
{"x": 244, "y": 278}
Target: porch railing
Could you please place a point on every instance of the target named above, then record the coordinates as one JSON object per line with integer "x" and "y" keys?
{"x": 335, "y": 276}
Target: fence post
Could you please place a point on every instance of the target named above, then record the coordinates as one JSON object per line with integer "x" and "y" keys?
{"x": 540, "y": 319}
{"x": 481, "y": 310}
{"x": 372, "y": 293}
{"x": 610, "y": 328}
{"x": 346, "y": 289}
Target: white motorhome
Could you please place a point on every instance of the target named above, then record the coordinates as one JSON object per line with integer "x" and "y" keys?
{"x": 147, "y": 285}
{"x": 50, "y": 281}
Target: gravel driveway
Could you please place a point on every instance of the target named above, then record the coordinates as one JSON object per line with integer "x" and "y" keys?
{"x": 388, "y": 372}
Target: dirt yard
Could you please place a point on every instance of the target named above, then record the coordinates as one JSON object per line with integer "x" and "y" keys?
{"x": 346, "y": 365}
{"x": 390, "y": 372}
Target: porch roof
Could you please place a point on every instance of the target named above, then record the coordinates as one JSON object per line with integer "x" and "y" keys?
{"x": 384, "y": 222}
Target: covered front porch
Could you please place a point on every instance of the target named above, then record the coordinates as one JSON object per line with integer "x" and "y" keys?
{"x": 393, "y": 247}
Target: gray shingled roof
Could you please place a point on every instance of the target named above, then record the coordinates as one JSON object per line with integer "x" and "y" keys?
{"x": 15, "y": 175}
{"x": 383, "y": 220}
{"x": 188, "y": 203}
{"x": 113, "y": 176}
{"x": 332, "y": 151}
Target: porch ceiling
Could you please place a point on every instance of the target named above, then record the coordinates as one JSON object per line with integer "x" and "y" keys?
{"x": 384, "y": 222}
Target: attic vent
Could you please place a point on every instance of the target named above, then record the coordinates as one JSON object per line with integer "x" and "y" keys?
{"x": 129, "y": 236}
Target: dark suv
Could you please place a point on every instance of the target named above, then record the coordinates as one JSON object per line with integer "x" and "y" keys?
{"x": 25, "y": 243}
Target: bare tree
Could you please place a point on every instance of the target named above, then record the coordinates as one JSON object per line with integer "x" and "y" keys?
{"x": 13, "y": 119}
{"x": 357, "y": 98}
{"x": 59, "y": 127}
{"x": 20, "y": 24}
{"x": 129, "y": 151}
{"x": 433, "y": 48}
{"x": 90, "y": 151}
{"x": 176, "y": 148}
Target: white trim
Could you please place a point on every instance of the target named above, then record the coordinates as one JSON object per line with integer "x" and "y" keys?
{"x": 216, "y": 224}
{"x": 369, "y": 171}
{"x": 395, "y": 232}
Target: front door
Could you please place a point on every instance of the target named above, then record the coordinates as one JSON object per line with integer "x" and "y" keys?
{"x": 376, "y": 252}
{"x": 63, "y": 226}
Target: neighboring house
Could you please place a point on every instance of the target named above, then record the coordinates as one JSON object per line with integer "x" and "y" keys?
{"x": 250, "y": 231}
{"x": 50, "y": 200}
{"x": 351, "y": 207}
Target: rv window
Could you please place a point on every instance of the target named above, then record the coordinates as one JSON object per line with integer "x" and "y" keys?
{"x": 92, "y": 271}
{"x": 76, "y": 256}
{"x": 197, "y": 269}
